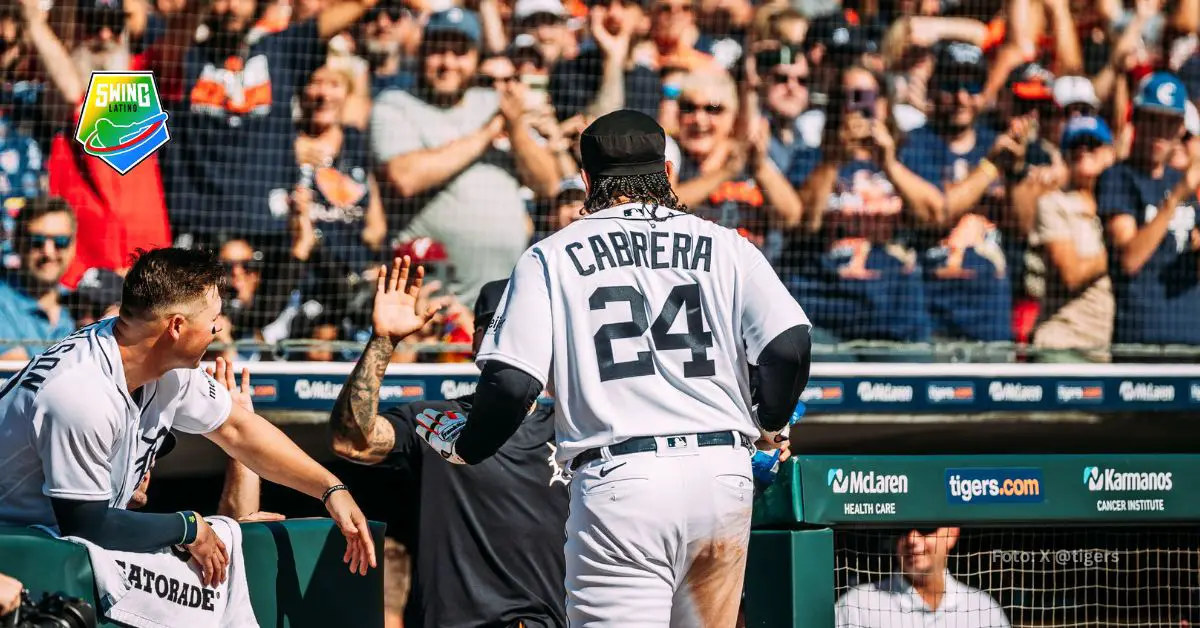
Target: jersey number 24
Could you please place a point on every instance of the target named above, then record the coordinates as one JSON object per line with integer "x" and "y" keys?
{"x": 684, "y": 298}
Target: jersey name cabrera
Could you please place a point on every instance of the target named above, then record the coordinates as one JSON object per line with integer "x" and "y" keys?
{"x": 654, "y": 316}
{"x": 70, "y": 429}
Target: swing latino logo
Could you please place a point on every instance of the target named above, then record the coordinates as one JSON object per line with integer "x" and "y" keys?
{"x": 122, "y": 121}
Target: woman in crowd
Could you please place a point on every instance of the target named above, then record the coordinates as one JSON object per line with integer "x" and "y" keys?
{"x": 1076, "y": 318}
{"x": 723, "y": 178}
{"x": 338, "y": 222}
{"x": 849, "y": 261}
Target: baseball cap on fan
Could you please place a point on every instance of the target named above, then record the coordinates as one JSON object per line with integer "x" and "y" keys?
{"x": 1031, "y": 82}
{"x": 623, "y": 143}
{"x": 456, "y": 21}
{"x": 571, "y": 189}
{"x": 431, "y": 254}
{"x": 96, "y": 15}
{"x": 525, "y": 9}
{"x": 959, "y": 65}
{"x": 1086, "y": 130}
{"x": 1075, "y": 90}
{"x": 844, "y": 40}
{"x": 1162, "y": 92}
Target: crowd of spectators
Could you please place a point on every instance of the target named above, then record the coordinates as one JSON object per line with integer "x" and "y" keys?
{"x": 1012, "y": 172}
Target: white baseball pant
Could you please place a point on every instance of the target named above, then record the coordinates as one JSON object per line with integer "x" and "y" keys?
{"x": 659, "y": 538}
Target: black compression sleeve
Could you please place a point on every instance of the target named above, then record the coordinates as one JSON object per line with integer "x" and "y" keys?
{"x": 116, "y": 529}
{"x": 783, "y": 368}
{"x": 502, "y": 400}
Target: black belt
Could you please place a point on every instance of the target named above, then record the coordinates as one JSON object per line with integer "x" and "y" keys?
{"x": 643, "y": 444}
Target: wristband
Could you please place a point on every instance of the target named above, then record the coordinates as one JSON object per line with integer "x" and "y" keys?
{"x": 990, "y": 168}
{"x": 330, "y": 491}
{"x": 191, "y": 527}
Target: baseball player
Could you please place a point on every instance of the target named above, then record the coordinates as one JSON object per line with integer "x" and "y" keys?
{"x": 80, "y": 424}
{"x": 488, "y": 544}
{"x": 642, "y": 320}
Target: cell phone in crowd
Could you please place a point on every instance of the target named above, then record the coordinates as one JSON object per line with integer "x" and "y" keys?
{"x": 861, "y": 101}
{"x": 537, "y": 92}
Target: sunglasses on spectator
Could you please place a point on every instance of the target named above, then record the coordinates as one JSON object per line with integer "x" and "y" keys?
{"x": 954, "y": 87}
{"x": 247, "y": 265}
{"x": 394, "y": 13}
{"x": 666, "y": 7}
{"x": 1079, "y": 109}
{"x": 38, "y": 240}
{"x": 1084, "y": 145}
{"x": 926, "y": 531}
{"x": 452, "y": 45}
{"x": 484, "y": 80}
{"x": 783, "y": 78}
{"x": 687, "y": 107}
{"x": 96, "y": 20}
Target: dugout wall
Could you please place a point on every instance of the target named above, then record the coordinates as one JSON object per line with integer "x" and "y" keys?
{"x": 1056, "y": 540}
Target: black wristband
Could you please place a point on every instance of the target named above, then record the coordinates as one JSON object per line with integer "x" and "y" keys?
{"x": 331, "y": 490}
{"x": 191, "y": 527}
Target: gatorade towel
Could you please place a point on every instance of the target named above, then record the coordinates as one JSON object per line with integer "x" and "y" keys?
{"x": 117, "y": 214}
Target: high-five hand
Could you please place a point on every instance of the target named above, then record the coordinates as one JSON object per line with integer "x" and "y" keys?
{"x": 226, "y": 375}
{"x": 396, "y": 298}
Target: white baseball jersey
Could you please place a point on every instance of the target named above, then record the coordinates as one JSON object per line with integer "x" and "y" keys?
{"x": 70, "y": 429}
{"x": 641, "y": 325}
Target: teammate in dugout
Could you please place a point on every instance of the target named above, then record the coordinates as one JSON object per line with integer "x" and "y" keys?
{"x": 489, "y": 540}
{"x": 80, "y": 424}
{"x": 642, "y": 320}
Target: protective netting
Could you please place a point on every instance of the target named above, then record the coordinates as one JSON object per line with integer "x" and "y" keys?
{"x": 980, "y": 180}
{"x": 1030, "y": 577}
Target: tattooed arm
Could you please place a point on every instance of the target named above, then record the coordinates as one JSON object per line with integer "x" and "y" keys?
{"x": 358, "y": 433}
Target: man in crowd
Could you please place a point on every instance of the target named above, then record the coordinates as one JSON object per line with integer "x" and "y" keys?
{"x": 546, "y": 22}
{"x": 477, "y": 560}
{"x": 457, "y": 156}
{"x": 966, "y": 277}
{"x": 922, "y": 592}
{"x": 1149, "y": 213}
{"x": 390, "y": 34}
{"x": 31, "y": 306}
{"x": 115, "y": 213}
{"x": 782, "y": 72}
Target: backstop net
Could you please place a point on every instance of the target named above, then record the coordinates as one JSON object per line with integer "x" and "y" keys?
{"x": 1037, "y": 577}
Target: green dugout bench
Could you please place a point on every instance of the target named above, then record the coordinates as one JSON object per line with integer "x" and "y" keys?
{"x": 294, "y": 570}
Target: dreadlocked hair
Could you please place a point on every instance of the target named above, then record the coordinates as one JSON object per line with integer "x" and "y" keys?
{"x": 651, "y": 190}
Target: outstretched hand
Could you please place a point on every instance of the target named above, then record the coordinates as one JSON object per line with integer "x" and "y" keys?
{"x": 399, "y": 311}
{"x": 225, "y": 375}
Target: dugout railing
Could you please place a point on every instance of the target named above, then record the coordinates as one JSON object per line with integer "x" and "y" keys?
{"x": 1056, "y": 540}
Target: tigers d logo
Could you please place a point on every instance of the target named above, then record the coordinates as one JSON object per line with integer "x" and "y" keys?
{"x": 122, "y": 121}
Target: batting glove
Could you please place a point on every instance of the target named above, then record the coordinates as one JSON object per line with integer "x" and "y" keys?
{"x": 440, "y": 430}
